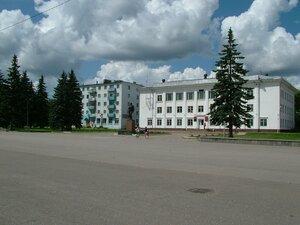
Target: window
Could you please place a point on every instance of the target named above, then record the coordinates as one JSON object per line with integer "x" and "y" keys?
{"x": 201, "y": 94}
{"x": 169, "y": 96}
{"x": 128, "y": 95}
{"x": 98, "y": 111}
{"x": 117, "y": 111}
{"x": 190, "y": 109}
{"x": 104, "y": 111}
{"x": 105, "y": 95}
{"x": 116, "y": 120}
{"x": 190, "y": 95}
{"x": 104, "y": 121}
{"x": 179, "y": 122}
{"x": 87, "y": 96}
{"x": 158, "y": 122}
{"x": 118, "y": 85}
{"x": 263, "y": 122}
{"x": 159, "y": 110}
{"x": 128, "y": 87}
{"x": 250, "y": 121}
{"x": 149, "y": 122}
{"x": 169, "y": 109}
{"x": 190, "y": 122}
{"x": 99, "y": 95}
{"x": 179, "y": 109}
{"x": 99, "y": 88}
{"x": 82, "y": 89}
{"x": 117, "y": 102}
{"x": 159, "y": 98}
{"x": 200, "y": 108}
{"x": 179, "y": 96}
{"x": 212, "y": 95}
{"x": 250, "y": 107}
{"x": 250, "y": 93}
{"x": 110, "y": 120}
{"x": 169, "y": 122}
{"x": 105, "y": 103}
{"x": 118, "y": 94}
{"x": 105, "y": 87}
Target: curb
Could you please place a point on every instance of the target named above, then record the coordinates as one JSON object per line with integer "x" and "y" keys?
{"x": 251, "y": 141}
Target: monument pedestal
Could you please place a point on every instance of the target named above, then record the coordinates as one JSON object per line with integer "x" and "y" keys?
{"x": 130, "y": 125}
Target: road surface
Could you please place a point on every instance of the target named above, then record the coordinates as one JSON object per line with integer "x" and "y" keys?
{"x": 69, "y": 178}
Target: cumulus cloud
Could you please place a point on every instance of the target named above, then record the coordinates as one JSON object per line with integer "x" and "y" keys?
{"x": 136, "y": 30}
{"x": 267, "y": 47}
{"x": 143, "y": 74}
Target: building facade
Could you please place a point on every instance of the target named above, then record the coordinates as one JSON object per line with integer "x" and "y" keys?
{"x": 106, "y": 104}
{"x": 186, "y": 104}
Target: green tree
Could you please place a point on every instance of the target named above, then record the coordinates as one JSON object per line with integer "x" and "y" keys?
{"x": 4, "y": 112}
{"x": 229, "y": 107}
{"x": 75, "y": 100}
{"x": 60, "y": 103}
{"x": 14, "y": 94}
{"x": 66, "y": 107}
{"x": 27, "y": 96}
{"x": 42, "y": 104}
{"x": 297, "y": 111}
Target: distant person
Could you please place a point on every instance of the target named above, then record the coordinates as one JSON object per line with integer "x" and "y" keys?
{"x": 146, "y": 131}
{"x": 137, "y": 132}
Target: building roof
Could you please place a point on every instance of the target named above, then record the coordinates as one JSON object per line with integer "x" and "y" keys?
{"x": 211, "y": 81}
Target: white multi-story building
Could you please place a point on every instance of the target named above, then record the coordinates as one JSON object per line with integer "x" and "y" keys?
{"x": 106, "y": 104}
{"x": 186, "y": 104}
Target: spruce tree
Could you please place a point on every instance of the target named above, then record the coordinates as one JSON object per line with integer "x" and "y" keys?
{"x": 75, "y": 98}
{"x": 229, "y": 107}
{"x": 14, "y": 94}
{"x": 42, "y": 104}
{"x": 27, "y": 101}
{"x": 60, "y": 103}
{"x": 4, "y": 113}
{"x": 66, "y": 107}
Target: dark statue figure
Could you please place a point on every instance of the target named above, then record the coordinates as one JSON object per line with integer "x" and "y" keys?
{"x": 130, "y": 110}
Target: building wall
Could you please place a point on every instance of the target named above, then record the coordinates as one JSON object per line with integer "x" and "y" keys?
{"x": 269, "y": 94}
{"x": 106, "y": 104}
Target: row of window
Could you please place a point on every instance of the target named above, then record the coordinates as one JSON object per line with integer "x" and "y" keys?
{"x": 110, "y": 111}
{"x": 99, "y": 87}
{"x": 190, "y": 109}
{"x": 286, "y": 124}
{"x": 190, "y": 95}
{"x": 286, "y": 96}
{"x": 190, "y": 122}
{"x": 287, "y": 110}
{"x": 169, "y": 122}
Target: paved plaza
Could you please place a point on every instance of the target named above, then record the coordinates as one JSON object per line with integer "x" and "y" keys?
{"x": 76, "y": 178}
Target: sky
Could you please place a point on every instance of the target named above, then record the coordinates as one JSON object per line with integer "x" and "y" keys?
{"x": 147, "y": 40}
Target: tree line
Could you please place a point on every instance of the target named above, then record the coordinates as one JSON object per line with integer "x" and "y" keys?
{"x": 23, "y": 105}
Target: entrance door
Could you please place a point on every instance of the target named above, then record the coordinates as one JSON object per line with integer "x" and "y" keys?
{"x": 200, "y": 124}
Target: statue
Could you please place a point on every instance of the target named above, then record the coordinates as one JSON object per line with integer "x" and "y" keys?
{"x": 130, "y": 111}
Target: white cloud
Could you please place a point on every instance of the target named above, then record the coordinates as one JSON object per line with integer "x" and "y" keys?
{"x": 142, "y": 73}
{"x": 267, "y": 47}
{"x": 136, "y": 30}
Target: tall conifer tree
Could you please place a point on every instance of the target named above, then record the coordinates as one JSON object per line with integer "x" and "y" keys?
{"x": 60, "y": 103}
{"x": 27, "y": 100}
{"x": 229, "y": 107}
{"x": 42, "y": 104}
{"x": 75, "y": 96}
{"x": 14, "y": 94}
{"x": 4, "y": 113}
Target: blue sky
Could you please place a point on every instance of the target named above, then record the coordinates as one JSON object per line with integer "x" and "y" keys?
{"x": 146, "y": 41}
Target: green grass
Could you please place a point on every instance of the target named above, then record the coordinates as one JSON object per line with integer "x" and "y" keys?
{"x": 275, "y": 136}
